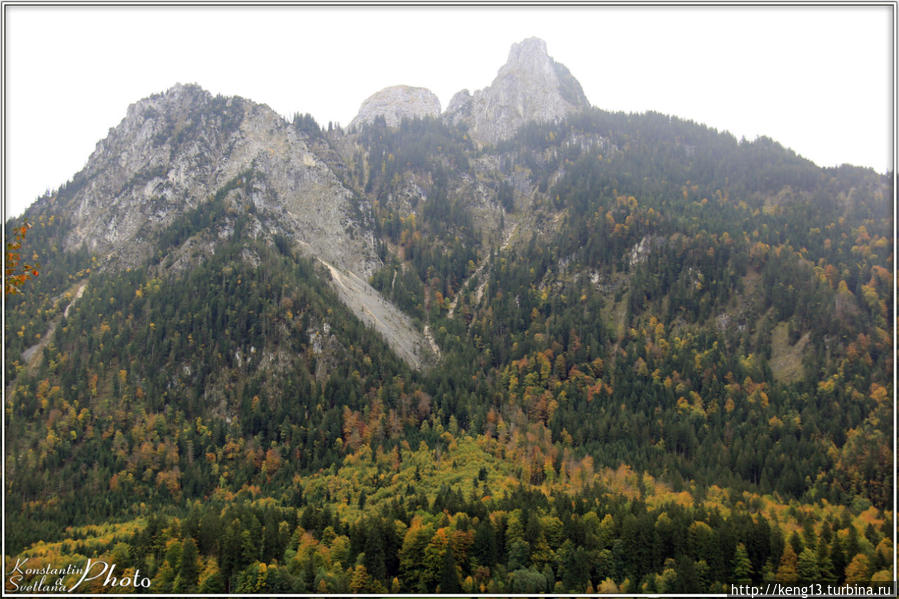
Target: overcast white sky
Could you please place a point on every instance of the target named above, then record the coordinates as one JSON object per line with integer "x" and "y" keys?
{"x": 817, "y": 79}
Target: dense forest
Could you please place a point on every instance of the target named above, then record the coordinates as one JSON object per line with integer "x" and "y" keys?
{"x": 666, "y": 366}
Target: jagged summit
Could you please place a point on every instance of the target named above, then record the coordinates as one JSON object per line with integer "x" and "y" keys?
{"x": 181, "y": 155}
{"x": 175, "y": 98}
{"x": 175, "y": 150}
{"x": 529, "y": 53}
{"x": 530, "y": 86}
{"x": 396, "y": 103}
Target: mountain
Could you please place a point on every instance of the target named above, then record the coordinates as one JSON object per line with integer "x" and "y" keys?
{"x": 531, "y": 86}
{"x": 550, "y": 349}
{"x": 174, "y": 150}
{"x": 397, "y": 103}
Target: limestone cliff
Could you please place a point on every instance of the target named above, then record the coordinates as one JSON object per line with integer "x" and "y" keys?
{"x": 396, "y": 103}
{"x": 174, "y": 151}
{"x": 530, "y": 86}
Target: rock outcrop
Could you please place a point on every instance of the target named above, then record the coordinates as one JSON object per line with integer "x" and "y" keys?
{"x": 397, "y": 103}
{"x": 530, "y": 86}
{"x": 174, "y": 151}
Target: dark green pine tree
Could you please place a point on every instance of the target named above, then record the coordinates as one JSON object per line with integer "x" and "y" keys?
{"x": 825, "y": 565}
{"x": 575, "y": 568}
{"x": 215, "y": 583}
{"x": 838, "y": 558}
{"x": 852, "y": 543}
{"x": 186, "y": 580}
{"x": 374, "y": 552}
{"x": 448, "y": 579}
{"x": 484, "y": 548}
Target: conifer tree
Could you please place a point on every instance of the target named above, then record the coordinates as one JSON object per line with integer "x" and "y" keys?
{"x": 807, "y": 567}
{"x": 742, "y": 565}
{"x": 448, "y": 578}
{"x": 825, "y": 565}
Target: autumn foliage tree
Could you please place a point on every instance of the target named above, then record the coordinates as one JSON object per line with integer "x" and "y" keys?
{"x": 17, "y": 272}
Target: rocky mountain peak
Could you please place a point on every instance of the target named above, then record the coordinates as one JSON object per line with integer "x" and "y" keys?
{"x": 530, "y": 86}
{"x": 529, "y": 54}
{"x": 396, "y": 103}
{"x": 176, "y": 150}
{"x": 177, "y": 97}
{"x": 185, "y": 156}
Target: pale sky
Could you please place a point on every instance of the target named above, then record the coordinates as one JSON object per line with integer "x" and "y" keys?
{"x": 817, "y": 79}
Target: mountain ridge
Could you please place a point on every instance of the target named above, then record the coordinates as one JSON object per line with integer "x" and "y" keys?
{"x": 530, "y": 86}
{"x": 172, "y": 151}
{"x": 281, "y": 358}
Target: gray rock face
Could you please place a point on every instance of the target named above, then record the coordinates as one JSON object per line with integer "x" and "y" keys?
{"x": 396, "y": 103}
{"x": 460, "y": 104}
{"x": 530, "y": 86}
{"x": 371, "y": 308}
{"x": 174, "y": 151}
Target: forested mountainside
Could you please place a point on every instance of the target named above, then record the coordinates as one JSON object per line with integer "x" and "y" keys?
{"x": 648, "y": 357}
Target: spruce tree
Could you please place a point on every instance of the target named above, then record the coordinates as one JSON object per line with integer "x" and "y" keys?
{"x": 808, "y": 566}
{"x": 742, "y": 565}
{"x": 448, "y": 578}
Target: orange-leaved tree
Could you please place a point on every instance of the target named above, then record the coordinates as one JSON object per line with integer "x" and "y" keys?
{"x": 17, "y": 272}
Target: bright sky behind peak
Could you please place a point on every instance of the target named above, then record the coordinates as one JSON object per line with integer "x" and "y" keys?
{"x": 817, "y": 79}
